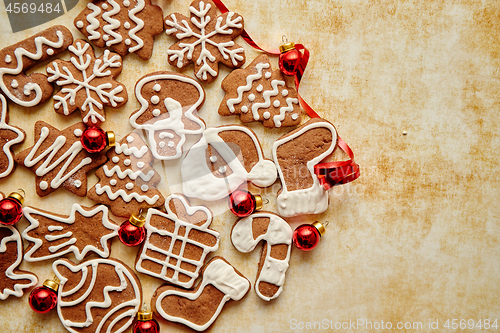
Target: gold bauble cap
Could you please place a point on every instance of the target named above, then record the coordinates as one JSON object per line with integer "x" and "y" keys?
{"x": 144, "y": 315}
{"x": 110, "y": 135}
{"x": 258, "y": 202}
{"x": 320, "y": 227}
{"x": 137, "y": 220}
{"x": 287, "y": 47}
{"x": 54, "y": 285}
{"x": 17, "y": 196}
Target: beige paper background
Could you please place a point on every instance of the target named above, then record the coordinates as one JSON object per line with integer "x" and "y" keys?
{"x": 416, "y": 238}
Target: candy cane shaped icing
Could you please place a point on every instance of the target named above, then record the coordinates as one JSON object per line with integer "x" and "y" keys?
{"x": 139, "y": 25}
{"x": 113, "y": 24}
{"x": 312, "y": 200}
{"x": 242, "y": 89}
{"x": 267, "y": 98}
{"x": 18, "y": 288}
{"x": 278, "y": 232}
{"x": 31, "y": 215}
{"x": 198, "y": 180}
{"x": 289, "y": 108}
{"x": 10, "y": 143}
{"x": 93, "y": 22}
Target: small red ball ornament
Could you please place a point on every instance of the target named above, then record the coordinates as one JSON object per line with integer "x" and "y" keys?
{"x": 11, "y": 208}
{"x": 306, "y": 236}
{"x": 132, "y": 232}
{"x": 289, "y": 58}
{"x": 243, "y": 203}
{"x": 145, "y": 322}
{"x": 94, "y": 139}
{"x": 44, "y": 298}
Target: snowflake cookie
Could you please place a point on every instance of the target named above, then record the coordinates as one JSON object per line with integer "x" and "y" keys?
{"x": 257, "y": 93}
{"x": 127, "y": 26}
{"x": 205, "y": 39}
{"x": 9, "y": 136}
{"x": 87, "y": 83}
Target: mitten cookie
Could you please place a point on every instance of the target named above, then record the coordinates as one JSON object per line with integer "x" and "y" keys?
{"x": 295, "y": 155}
{"x": 205, "y": 39}
{"x": 223, "y": 159}
{"x": 257, "y": 93}
{"x": 9, "y": 136}
{"x": 58, "y": 159}
{"x": 87, "y": 83}
{"x": 127, "y": 26}
{"x": 15, "y": 60}
{"x": 199, "y": 308}
{"x": 98, "y": 295}
{"x": 12, "y": 280}
{"x": 85, "y": 231}
{"x": 127, "y": 182}
{"x": 169, "y": 105}
{"x": 275, "y": 255}
{"x": 177, "y": 243}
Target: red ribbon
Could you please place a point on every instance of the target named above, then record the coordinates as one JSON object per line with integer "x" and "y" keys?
{"x": 328, "y": 173}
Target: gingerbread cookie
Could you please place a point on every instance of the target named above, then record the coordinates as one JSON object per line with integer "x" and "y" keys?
{"x": 276, "y": 234}
{"x": 257, "y": 93}
{"x": 98, "y": 295}
{"x": 15, "y": 60}
{"x": 199, "y": 308}
{"x": 205, "y": 39}
{"x": 223, "y": 159}
{"x": 9, "y": 136}
{"x": 295, "y": 155}
{"x": 177, "y": 242}
{"x": 85, "y": 231}
{"x": 127, "y": 26}
{"x": 87, "y": 83}
{"x": 58, "y": 159}
{"x": 169, "y": 105}
{"x": 127, "y": 182}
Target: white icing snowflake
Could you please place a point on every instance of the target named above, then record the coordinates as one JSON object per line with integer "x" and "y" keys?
{"x": 207, "y": 41}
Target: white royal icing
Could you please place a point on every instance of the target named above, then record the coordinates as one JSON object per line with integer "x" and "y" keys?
{"x": 8, "y": 59}
{"x": 267, "y": 98}
{"x": 288, "y": 108}
{"x": 18, "y": 139}
{"x": 113, "y": 182}
{"x": 44, "y": 185}
{"x": 78, "y": 132}
{"x": 278, "y": 232}
{"x": 231, "y": 102}
{"x": 14, "y": 84}
{"x": 93, "y": 22}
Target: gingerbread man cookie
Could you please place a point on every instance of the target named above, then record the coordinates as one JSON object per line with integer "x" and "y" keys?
{"x": 9, "y": 136}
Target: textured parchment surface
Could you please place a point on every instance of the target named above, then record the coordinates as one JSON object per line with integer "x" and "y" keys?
{"x": 416, "y": 238}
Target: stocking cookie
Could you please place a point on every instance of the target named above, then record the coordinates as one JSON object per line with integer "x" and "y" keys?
{"x": 58, "y": 159}
{"x": 127, "y": 26}
{"x": 87, "y": 83}
{"x": 277, "y": 236}
{"x": 205, "y": 39}
{"x": 15, "y": 60}
{"x": 9, "y": 136}
{"x": 85, "y": 231}
{"x": 127, "y": 182}
{"x": 169, "y": 105}
{"x": 199, "y": 308}
{"x": 223, "y": 159}
{"x": 257, "y": 93}
{"x": 295, "y": 155}
{"x": 98, "y": 295}
{"x": 177, "y": 242}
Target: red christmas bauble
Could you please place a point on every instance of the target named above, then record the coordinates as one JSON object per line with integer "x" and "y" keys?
{"x": 147, "y": 326}
{"x": 130, "y": 234}
{"x": 289, "y": 61}
{"x": 42, "y": 299}
{"x": 11, "y": 211}
{"x": 306, "y": 237}
{"x": 242, "y": 203}
{"x": 93, "y": 139}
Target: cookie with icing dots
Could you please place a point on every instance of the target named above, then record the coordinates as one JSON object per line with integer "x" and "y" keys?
{"x": 127, "y": 182}
{"x": 257, "y": 93}
{"x": 33, "y": 89}
{"x": 9, "y": 136}
{"x": 169, "y": 112}
{"x": 58, "y": 159}
{"x": 127, "y": 26}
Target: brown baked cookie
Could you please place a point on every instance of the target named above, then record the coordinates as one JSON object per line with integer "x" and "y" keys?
{"x": 223, "y": 159}
{"x": 169, "y": 105}
{"x": 127, "y": 26}
{"x": 198, "y": 308}
{"x": 87, "y": 83}
{"x": 58, "y": 159}
{"x": 177, "y": 242}
{"x": 98, "y": 295}
{"x": 85, "y": 231}
{"x": 257, "y": 93}
{"x": 127, "y": 182}
{"x": 205, "y": 39}
{"x": 295, "y": 155}
{"x": 15, "y": 60}
{"x": 276, "y": 234}
{"x": 9, "y": 136}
